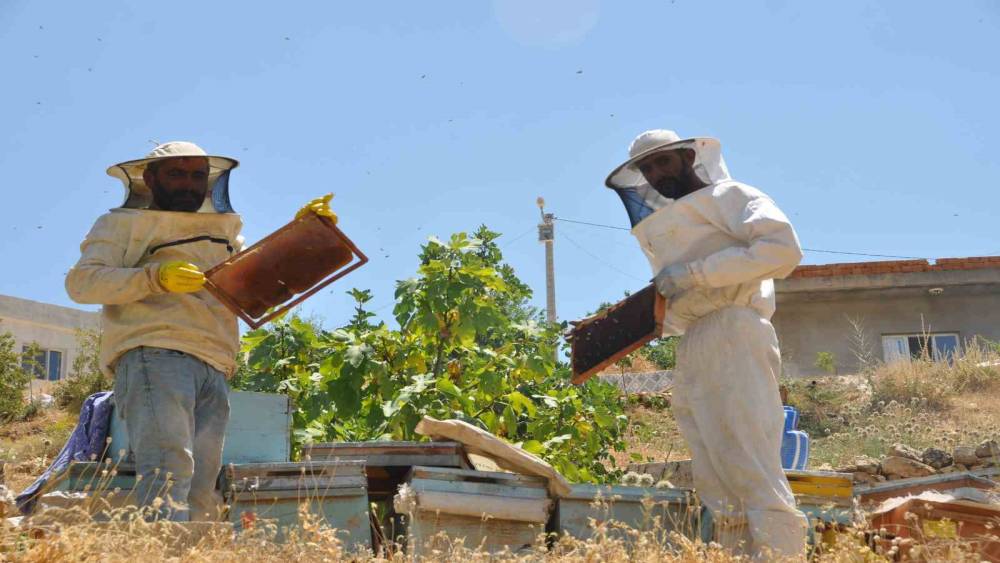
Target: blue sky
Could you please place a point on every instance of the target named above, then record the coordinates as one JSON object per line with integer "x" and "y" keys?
{"x": 872, "y": 124}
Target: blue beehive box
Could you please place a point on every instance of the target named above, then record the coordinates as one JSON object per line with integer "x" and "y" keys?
{"x": 259, "y": 430}
{"x": 335, "y": 492}
{"x": 640, "y": 508}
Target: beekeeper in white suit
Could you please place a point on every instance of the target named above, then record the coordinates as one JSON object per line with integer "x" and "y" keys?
{"x": 715, "y": 245}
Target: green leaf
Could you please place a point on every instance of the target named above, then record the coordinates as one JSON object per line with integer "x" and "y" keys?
{"x": 446, "y": 386}
{"x": 635, "y": 456}
{"x": 510, "y": 422}
{"x": 520, "y": 403}
{"x": 533, "y": 447}
{"x": 355, "y": 354}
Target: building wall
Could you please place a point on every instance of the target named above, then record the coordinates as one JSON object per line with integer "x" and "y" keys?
{"x": 811, "y": 322}
{"x": 52, "y": 327}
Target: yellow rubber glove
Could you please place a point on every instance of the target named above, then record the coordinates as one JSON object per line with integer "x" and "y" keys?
{"x": 320, "y": 206}
{"x": 181, "y": 277}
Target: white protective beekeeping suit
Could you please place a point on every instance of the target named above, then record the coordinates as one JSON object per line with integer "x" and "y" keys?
{"x": 723, "y": 245}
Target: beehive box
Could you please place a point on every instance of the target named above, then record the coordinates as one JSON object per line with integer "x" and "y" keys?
{"x": 640, "y": 508}
{"x": 487, "y": 510}
{"x": 603, "y": 339}
{"x": 387, "y": 464}
{"x": 909, "y": 487}
{"x": 938, "y": 518}
{"x": 335, "y": 492}
{"x": 826, "y": 498}
{"x": 259, "y": 430}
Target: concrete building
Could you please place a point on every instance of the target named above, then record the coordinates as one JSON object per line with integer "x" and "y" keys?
{"x": 52, "y": 327}
{"x": 903, "y": 308}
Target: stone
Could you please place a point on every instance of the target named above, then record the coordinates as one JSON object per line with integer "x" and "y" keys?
{"x": 966, "y": 455}
{"x": 989, "y": 448}
{"x": 862, "y": 464}
{"x": 904, "y": 451}
{"x": 866, "y": 465}
{"x": 936, "y": 458}
{"x": 905, "y": 467}
{"x": 8, "y": 508}
{"x": 863, "y": 478}
{"x": 961, "y": 467}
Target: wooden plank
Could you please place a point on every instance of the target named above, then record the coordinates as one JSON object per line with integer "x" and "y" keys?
{"x": 266, "y": 495}
{"x": 481, "y": 489}
{"x": 821, "y": 483}
{"x": 393, "y": 454}
{"x": 914, "y": 486}
{"x": 449, "y": 474}
{"x": 480, "y": 506}
{"x": 383, "y": 448}
{"x": 629, "y": 494}
{"x": 299, "y": 483}
{"x": 328, "y": 468}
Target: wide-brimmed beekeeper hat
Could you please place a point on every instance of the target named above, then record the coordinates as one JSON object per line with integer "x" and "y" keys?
{"x": 627, "y": 175}
{"x": 139, "y": 196}
{"x": 641, "y": 199}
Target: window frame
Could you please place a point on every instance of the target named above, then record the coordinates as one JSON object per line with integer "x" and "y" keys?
{"x": 936, "y": 354}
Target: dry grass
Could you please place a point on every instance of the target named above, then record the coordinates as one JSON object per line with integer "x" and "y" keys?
{"x": 70, "y": 535}
{"x": 652, "y": 435}
{"x": 28, "y": 447}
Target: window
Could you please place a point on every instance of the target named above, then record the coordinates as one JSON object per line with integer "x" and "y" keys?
{"x": 940, "y": 347}
{"x": 46, "y": 364}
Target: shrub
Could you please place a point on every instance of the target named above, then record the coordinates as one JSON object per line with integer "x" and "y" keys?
{"x": 13, "y": 380}
{"x": 826, "y": 362}
{"x": 468, "y": 347}
{"x": 86, "y": 377}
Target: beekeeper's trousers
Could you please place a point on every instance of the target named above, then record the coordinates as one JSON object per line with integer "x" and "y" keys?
{"x": 727, "y": 405}
{"x": 176, "y": 408}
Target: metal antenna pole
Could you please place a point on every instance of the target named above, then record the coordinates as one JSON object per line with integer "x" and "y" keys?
{"x": 546, "y": 235}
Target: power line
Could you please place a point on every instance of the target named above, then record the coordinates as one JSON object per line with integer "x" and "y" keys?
{"x": 517, "y": 238}
{"x": 867, "y": 254}
{"x": 591, "y": 224}
{"x": 599, "y": 260}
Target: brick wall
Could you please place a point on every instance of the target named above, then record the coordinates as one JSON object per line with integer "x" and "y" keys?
{"x": 895, "y": 267}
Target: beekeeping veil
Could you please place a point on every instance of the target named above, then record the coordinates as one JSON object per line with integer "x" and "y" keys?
{"x": 139, "y": 196}
{"x": 642, "y": 199}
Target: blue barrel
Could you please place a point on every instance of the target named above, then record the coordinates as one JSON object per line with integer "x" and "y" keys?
{"x": 794, "y": 450}
{"x": 791, "y": 418}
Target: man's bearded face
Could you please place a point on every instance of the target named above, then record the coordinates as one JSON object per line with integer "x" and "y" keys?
{"x": 671, "y": 172}
{"x": 178, "y": 184}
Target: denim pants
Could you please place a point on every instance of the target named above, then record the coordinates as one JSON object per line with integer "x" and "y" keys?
{"x": 176, "y": 408}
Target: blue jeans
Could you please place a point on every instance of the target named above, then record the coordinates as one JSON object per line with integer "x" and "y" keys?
{"x": 176, "y": 408}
